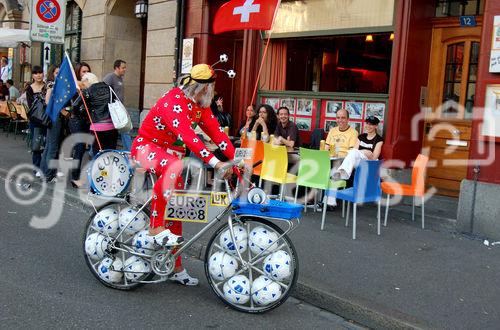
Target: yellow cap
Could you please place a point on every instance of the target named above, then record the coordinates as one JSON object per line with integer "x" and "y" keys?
{"x": 202, "y": 73}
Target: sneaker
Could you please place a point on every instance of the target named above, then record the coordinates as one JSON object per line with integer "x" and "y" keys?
{"x": 59, "y": 174}
{"x": 184, "y": 278}
{"x": 38, "y": 174}
{"x": 166, "y": 238}
{"x": 51, "y": 180}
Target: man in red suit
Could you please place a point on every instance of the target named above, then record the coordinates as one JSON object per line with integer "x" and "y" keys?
{"x": 161, "y": 144}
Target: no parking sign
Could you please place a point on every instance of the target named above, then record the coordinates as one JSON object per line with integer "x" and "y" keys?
{"x": 48, "y": 21}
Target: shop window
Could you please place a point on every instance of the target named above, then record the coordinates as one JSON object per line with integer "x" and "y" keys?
{"x": 445, "y": 8}
{"x": 349, "y": 64}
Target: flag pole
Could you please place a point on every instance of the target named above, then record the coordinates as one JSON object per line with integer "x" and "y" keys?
{"x": 83, "y": 98}
{"x": 264, "y": 54}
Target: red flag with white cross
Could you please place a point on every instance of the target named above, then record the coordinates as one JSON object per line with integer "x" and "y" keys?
{"x": 245, "y": 15}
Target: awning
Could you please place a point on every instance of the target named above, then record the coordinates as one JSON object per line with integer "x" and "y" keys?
{"x": 11, "y": 37}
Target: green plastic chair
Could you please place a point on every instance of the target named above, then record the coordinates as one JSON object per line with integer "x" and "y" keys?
{"x": 314, "y": 172}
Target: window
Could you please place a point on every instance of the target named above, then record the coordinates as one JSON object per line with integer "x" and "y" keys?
{"x": 73, "y": 31}
{"x": 460, "y": 75}
{"x": 339, "y": 64}
{"x": 445, "y": 8}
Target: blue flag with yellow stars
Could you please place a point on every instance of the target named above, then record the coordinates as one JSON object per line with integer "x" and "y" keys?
{"x": 63, "y": 90}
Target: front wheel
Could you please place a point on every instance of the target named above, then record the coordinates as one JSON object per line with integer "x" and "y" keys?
{"x": 111, "y": 237}
{"x": 263, "y": 277}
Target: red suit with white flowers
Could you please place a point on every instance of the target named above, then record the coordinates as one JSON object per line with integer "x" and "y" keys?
{"x": 160, "y": 146}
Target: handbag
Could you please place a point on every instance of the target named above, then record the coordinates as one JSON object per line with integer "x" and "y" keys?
{"x": 37, "y": 115}
{"x": 119, "y": 114}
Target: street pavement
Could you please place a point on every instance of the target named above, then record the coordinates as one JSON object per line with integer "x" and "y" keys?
{"x": 45, "y": 283}
{"x": 405, "y": 278}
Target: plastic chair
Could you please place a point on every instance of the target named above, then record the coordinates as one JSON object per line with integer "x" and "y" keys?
{"x": 366, "y": 189}
{"x": 275, "y": 167}
{"x": 257, "y": 155}
{"x": 15, "y": 118}
{"x": 415, "y": 189}
{"x": 314, "y": 172}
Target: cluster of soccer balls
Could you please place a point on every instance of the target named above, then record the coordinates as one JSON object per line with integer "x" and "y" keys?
{"x": 238, "y": 289}
{"x": 108, "y": 223}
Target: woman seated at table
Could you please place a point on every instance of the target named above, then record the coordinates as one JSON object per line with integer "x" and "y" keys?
{"x": 266, "y": 123}
{"x": 368, "y": 146}
{"x": 251, "y": 117}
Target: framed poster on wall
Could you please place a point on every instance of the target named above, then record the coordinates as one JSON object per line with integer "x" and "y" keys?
{"x": 289, "y": 103}
{"x": 332, "y": 107}
{"x": 304, "y": 107}
{"x": 355, "y": 109}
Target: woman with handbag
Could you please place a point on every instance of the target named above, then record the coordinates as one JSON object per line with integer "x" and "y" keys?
{"x": 78, "y": 123}
{"x": 35, "y": 97}
{"x": 97, "y": 95}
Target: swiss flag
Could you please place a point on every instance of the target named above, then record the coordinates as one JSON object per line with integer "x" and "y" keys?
{"x": 245, "y": 15}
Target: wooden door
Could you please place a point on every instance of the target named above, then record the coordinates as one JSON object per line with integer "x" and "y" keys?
{"x": 451, "y": 90}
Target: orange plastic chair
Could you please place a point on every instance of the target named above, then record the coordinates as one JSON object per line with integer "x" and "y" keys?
{"x": 258, "y": 153}
{"x": 415, "y": 189}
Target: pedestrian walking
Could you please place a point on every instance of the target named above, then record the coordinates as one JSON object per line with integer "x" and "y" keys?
{"x": 115, "y": 80}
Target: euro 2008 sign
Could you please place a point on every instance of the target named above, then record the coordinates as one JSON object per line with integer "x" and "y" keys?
{"x": 48, "y": 21}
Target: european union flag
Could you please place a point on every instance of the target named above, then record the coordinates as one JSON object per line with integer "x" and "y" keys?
{"x": 63, "y": 90}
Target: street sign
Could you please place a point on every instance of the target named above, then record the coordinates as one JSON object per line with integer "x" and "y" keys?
{"x": 467, "y": 21}
{"x": 48, "y": 21}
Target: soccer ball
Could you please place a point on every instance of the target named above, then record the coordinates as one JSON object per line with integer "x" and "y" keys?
{"x": 95, "y": 246}
{"x": 110, "y": 270}
{"x": 237, "y": 289}
{"x": 106, "y": 221}
{"x": 231, "y": 74}
{"x": 223, "y": 58}
{"x": 222, "y": 266}
{"x": 261, "y": 239}
{"x": 240, "y": 235}
{"x": 138, "y": 223}
{"x": 135, "y": 267}
{"x": 143, "y": 243}
{"x": 277, "y": 265}
{"x": 264, "y": 291}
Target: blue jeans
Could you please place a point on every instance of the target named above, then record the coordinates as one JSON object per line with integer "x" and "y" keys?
{"x": 51, "y": 149}
{"x": 76, "y": 125}
{"x": 126, "y": 141}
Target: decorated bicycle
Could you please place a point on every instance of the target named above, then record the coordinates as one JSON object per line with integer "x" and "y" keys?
{"x": 250, "y": 262}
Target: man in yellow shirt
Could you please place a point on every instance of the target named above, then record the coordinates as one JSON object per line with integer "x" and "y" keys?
{"x": 341, "y": 138}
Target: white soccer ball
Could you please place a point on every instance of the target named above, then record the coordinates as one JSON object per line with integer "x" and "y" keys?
{"x": 110, "y": 270}
{"x": 231, "y": 74}
{"x": 262, "y": 238}
{"x": 240, "y": 236}
{"x": 143, "y": 243}
{"x": 135, "y": 267}
{"x": 264, "y": 291}
{"x": 277, "y": 265}
{"x": 222, "y": 266}
{"x": 95, "y": 246}
{"x": 106, "y": 221}
{"x": 237, "y": 289}
{"x": 223, "y": 58}
{"x": 139, "y": 222}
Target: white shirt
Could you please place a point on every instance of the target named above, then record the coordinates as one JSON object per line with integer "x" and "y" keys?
{"x": 5, "y": 73}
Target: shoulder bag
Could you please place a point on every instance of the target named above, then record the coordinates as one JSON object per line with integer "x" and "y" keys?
{"x": 37, "y": 115}
{"x": 119, "y": 114}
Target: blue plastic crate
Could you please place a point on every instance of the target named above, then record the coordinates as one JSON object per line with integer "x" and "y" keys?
{"x": 275, "y": 209}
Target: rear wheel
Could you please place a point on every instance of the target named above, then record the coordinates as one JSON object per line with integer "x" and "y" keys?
{"x": 115, "y": 268}
{"x": 266, "y": 273}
